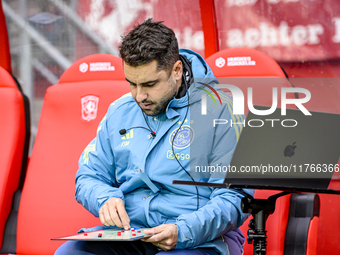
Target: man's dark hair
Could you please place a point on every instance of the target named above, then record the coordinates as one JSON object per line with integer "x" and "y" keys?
{"x": 150, "y": 41}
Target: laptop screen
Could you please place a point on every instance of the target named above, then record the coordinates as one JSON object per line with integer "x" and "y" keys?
{"x": 292, "y": 150}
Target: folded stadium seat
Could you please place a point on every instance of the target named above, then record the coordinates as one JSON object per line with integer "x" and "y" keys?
{"x": 302, "y": 227}
{"x": 329, "y": 221}
{"x": 245, "y": 67}
{"x": 14, "y": 140}
{"x": 5, "y": 59}
{"x": 71, "y": 113}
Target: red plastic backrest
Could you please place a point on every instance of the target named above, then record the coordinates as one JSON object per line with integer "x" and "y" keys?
{"x": 5, "y": 59}
{"x": 244, "y": 62}
{"x": 325, "y": 93}
{"x": 48, "y": 208}
{"x": 97, "y": 67}
{"x": 12, "y": 139}
{"x": 245, "y": 67}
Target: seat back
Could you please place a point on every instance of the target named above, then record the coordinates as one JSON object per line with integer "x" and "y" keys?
{"x": 244, "y": 62}
{"x": 325, "y": 93}
{"x": 12, "y": 139}
{"x": 244, "y": 68}
{"x": 71, "y": 113}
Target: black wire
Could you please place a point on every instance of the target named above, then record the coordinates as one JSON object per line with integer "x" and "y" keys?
{"x": 172, "y": 146}
{"x": 139, "y": 127}
{"x": 147, "y": 123}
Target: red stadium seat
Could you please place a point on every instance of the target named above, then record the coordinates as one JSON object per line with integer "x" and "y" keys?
{"x": 245, "y": 67}
{"x": 5, "y": 59}
{"x": 14, "y": 140}
{"x": 71, "y": 113}
{"x": 244, "y": 62}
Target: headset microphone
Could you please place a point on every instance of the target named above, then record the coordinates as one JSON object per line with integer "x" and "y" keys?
{"x": 122, "y": 131}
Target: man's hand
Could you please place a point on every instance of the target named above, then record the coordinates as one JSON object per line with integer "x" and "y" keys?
{"x": 113, "y": 213}
{"x": 164, "y": 236}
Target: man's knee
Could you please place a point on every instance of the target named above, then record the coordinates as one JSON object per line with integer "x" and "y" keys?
{"x": 71, "y": 248}
{"x": 189, "y": 252}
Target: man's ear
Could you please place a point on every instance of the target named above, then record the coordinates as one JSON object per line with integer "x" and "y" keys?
{"x": 178, "y": 70}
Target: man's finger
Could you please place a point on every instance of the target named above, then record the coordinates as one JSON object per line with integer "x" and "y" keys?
{"x": 102, "y": 219}
{"x": 156, "y": 238}
{"x": 113, "y": 213}
{"x": 114, "y": 217}
{"x": 123, "y": 216}
{"x": 163, "y": 246}
{"x": 105, "y": 216}
{"x": 158, "y": 244}
{"x": 109, "y": 216}
{"x": 155, "y": 230}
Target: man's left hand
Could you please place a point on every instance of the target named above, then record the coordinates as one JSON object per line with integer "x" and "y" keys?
{"x": 163, "y": 236}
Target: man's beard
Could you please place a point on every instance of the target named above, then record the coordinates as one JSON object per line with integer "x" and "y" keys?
{"x": 160, "y": 107}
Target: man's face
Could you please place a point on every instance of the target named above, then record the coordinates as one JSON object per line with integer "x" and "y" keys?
{"x": 152, "y": 89}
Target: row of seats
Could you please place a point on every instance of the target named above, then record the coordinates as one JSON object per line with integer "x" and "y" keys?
{"x": 71, "y": 112}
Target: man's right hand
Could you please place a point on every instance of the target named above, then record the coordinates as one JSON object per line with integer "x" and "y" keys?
{"x": 113, "y": 213}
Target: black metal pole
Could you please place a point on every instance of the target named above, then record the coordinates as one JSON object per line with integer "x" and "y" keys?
{"x": 260, "y": 210}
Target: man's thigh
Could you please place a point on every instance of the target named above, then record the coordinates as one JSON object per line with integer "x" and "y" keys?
{"x": 106, "y": 248}
{"x": 122, "y": 248}
{"x": 189, "y": 252}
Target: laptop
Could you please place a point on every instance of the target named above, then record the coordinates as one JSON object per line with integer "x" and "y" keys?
{"x": 294, "y": 152}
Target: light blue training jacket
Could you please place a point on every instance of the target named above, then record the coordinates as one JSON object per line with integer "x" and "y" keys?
{"x": 140, "y": 169}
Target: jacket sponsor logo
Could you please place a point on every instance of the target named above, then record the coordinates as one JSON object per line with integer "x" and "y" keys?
{"x": 184, "y": 137}
{"x": 89, "y": 107}
{"x": 128, "y": 135}
{"x": 96, "y": 67}
{"x": 83, "y": 67}
{"x": 241, "y": 61}
{"x": 179, "y": 156}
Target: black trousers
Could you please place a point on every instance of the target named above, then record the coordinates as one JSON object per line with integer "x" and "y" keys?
{"x": 122, "y": 248}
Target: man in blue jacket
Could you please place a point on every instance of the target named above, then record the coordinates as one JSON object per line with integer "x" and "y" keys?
{"x": 146, "y": 140}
